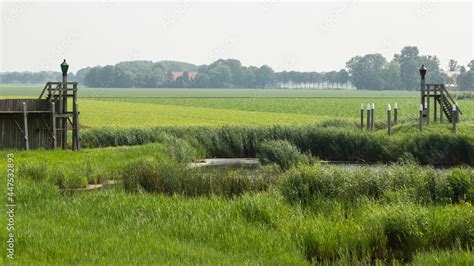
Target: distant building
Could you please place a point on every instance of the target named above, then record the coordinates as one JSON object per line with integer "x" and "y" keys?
{"x": 176, "y": 74}
{"x": 452, "y": 82}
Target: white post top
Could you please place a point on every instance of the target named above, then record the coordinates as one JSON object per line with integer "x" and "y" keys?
{"x": 389, "y": 107}
{"x": 395, "y": 106}
{"x": 361, "y": 106}
{"x": 454, "y": 108}
{"x": 373, "y": 106}
{"x": 368, "y": 106}
{"x": 421, "y": 107}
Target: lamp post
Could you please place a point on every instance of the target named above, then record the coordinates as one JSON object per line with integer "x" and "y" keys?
{"x": 64, "y": 69}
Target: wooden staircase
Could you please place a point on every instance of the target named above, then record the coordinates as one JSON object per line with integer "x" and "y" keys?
{"x": 446, "y": 102}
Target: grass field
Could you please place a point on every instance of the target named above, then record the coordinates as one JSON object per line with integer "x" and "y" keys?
{"x": 160, "y": 211}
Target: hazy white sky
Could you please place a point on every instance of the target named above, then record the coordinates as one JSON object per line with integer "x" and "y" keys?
{"x": 304, "y": 36}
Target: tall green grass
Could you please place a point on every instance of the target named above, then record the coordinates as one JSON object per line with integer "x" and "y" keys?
{"x": 326, "y": 141}
{"x": 307, "y": 185}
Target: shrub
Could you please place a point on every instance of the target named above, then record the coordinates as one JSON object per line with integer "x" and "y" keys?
{"x": 452, "y": 225}
{"x": 395, "y": 183}
{"x": 172, "y": 178}
{"x": 282, "y": 153}
{"x": 405, "y": 228}
{"x": 461, "y": 184}
{"x": 179, "y": 150}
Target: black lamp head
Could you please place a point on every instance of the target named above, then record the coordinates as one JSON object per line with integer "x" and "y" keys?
{"x": 423, "y": 71}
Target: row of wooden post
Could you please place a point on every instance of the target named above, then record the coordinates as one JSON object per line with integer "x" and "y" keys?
{"x": 371, "y": 114}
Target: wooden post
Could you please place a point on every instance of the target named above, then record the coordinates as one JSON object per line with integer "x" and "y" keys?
{"x": 64, "y": 111}
{"x": 395, "y": 113}
{"x": 372, "y": 123}
{"x": 428, "y": 106}
{"x": 368, "y": 116}
{"x": 53, "y": 124}
{"x": 455, "y": 112}
{"x": 435, "y": 110}
{"x": 25, "y": 127}
{"x": 420, "y": 122}
{"x": 75, "y": 132}
{"x": 441, "y": 106}
{"x": 389, "y": 119}
{"x": 362, "y": 116}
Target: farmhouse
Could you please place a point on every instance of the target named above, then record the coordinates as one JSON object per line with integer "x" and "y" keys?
{"x": 42, "y": 122}
{"x": 176, "y": 74}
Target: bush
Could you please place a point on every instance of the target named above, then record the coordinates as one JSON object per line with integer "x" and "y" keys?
{"x": 405, "y": 228}
{"x": 395, "y": 183}
{"x": 179, "y": 150}
{"x": 461, "y": 184}
{"x": 452, "y": 225}
{"x": 169, "y": 178}
{"x": 282, "y": 153}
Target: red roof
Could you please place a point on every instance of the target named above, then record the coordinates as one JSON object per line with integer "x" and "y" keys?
{"x": 191, "y": 74}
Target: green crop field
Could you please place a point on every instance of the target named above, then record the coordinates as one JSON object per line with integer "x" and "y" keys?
{"x": 402, "y": 199}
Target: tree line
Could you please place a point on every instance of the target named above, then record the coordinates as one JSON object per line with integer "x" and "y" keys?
{"x": 371, "y": 71}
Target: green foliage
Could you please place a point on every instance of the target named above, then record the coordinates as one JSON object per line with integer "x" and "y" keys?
{"x": 282, "y": 153}
{"x": 36, "y": 172}
{"x": 394, "y": 184}
{"x": 169, "y": 178}
{"x": 461, "y": 184}
{"x": 328, "y": 143}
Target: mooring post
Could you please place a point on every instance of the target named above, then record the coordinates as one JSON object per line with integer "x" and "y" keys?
{"x": 362, "y": 116}
{"x": 454, "y": 118}
{"x": 368, "y": 116}
{"x": 25, "y": 127}
{"x": 457, "y": 112}
{"x": 372, "y": 117}
{"x": 420, "y": 123}
{"x": 395, "y": 113}
{"x": 389, "y": 119}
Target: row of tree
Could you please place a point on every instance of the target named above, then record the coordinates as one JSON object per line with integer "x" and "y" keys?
{"x": 372, "y": 72}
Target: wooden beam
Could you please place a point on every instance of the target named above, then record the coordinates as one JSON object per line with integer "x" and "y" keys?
{"x": 53, "y": 124}
{"x": 25, "y": 126}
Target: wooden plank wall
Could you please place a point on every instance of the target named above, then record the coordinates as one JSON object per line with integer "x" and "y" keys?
{"x": 17, "y": 105}
{"x": 39, "y": 124}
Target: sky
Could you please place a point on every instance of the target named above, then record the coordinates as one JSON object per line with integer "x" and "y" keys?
{"x": 301, "y": 36}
